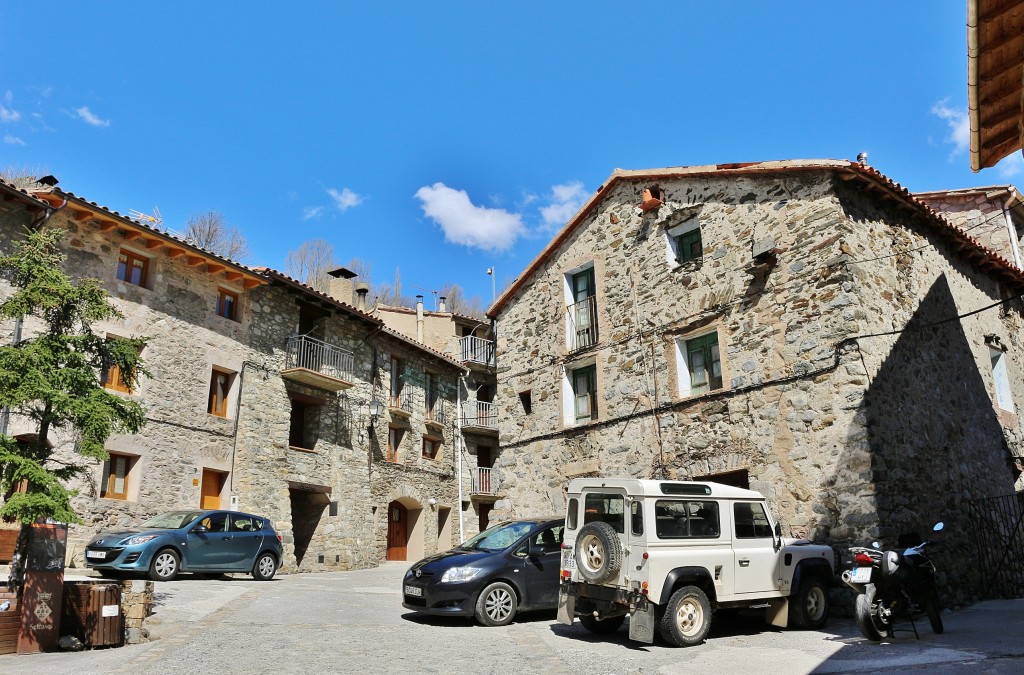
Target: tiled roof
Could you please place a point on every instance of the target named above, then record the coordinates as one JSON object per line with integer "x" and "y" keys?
{"x": 966, "y": 246}
{"x": 23, "y": 195}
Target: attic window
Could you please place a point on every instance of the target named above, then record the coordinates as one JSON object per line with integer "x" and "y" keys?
{"x": 652, "y": 198}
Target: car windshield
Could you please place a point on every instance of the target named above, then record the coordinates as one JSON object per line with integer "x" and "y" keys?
{"x": 499, "y": 536}
{"x": 172, "y": 520}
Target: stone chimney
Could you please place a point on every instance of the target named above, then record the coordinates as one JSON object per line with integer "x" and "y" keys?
{"x": 419, "y": 318}
{"x": 441, "y": 307}
{"x": 362, "y": 288}
{"x": 341, "y": 285}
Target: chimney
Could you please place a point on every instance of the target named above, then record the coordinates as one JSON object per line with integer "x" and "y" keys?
{"x": 362, "y": 288}
{"x": 419, "y": 318}
{"x": 441, "y": 307}
{"x": 340, "y": 287}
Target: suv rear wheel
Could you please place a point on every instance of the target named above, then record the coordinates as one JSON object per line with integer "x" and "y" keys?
{"x": 687, "y": 617}
{"x": 598, "y": 552}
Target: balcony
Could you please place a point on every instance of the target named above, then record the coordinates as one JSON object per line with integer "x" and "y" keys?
{"x": 477, "y": 351}
{"x": 317, "y": 364}
{"x": 436, "y": 417}
{"x": 480, "y": 417}
{"x": 583, "y": 324}
{"x": 485, "y": 483}
{"x": 400, "y": 404}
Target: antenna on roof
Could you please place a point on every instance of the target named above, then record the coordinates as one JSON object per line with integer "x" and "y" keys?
{"x": 428, "y": 290}
{"x": 153, "y": 220}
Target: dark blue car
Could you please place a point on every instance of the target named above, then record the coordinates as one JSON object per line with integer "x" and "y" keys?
{"x": 510, "y": 567}
{"x": 189, "y": 541}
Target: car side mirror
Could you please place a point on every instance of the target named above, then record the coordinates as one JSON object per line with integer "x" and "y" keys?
{"x": 200, "y": 529}
{"x": 778, "y": 530}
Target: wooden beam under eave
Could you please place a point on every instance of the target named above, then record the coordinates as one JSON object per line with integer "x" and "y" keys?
{"x": 195, "y": 260}
{"x": 251, "y": 283}
{"x": 173, "y": 252}
{"x": 233, "y": 276}
{"x": 107, "y": 225}
{"x": 82, "y": 215}
{"x": 213, "y": 268}
{"x": 153, "y": 243}
{"x": 132, "y": 235}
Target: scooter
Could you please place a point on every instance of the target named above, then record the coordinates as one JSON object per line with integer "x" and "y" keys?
{"x": 892, "y": 585}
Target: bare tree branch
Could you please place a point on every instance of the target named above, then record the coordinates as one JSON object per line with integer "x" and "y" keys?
{"x": 311, "y": 262}
{"x": 208, "y": 230}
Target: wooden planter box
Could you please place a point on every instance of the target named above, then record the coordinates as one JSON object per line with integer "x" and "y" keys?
{"x": 8, "y": 539}
{"x": 10, "y": 623}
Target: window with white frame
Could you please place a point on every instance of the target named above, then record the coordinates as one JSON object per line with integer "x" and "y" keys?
{"x": 1002, "y": 379}
{"x": 699, "y": 364}
{"x": 580, "y": 394}
{"x": 581, "y": 300}
{"x": 683, "y": 242}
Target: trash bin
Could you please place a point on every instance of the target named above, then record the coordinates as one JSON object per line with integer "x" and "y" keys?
{"x": 92, "y": 613}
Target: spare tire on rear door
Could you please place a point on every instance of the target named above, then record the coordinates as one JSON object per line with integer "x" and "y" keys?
{"x": 598, "y": 552}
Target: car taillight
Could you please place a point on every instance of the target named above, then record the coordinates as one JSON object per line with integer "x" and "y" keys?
{"x": 280, "y": 539}
{"x": 862, "y": 559}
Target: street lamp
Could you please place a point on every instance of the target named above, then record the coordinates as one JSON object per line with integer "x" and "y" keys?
{"x": 490, "y": 273}
{"x": 376, "y": 408}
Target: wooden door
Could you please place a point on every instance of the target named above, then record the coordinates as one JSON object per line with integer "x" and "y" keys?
{"x": 213, "y": 484}
{"x": 398, "y": 519}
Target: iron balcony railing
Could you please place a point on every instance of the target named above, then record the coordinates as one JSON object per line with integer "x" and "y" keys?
{"x": 480, "y": 414}
{"x": 484, "y": 481}
{"x": 438, "y": 412}
{"x": 402, "y": 400}
{"x": 583, "y": 323}
{"x": 477, "y": 350}
{"x": 318, "y": 356}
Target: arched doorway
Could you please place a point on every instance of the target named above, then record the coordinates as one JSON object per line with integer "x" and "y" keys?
{"x": 398, "y": 531}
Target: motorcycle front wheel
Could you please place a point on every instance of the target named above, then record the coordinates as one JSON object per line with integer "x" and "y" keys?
{"x": 870, "y": 623}
{"x": 931, "y": 608}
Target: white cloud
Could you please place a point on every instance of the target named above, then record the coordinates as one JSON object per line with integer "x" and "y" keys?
{"x": 566, "y": 199}
{"x": 8, "y": 114}
{"x": 465, "y": 223}
{"x": 959, "y": 126}
{"x": 345, "y": 199}
{"x": 311, "y": 212}
{"x": 13, "y": 140}
{"x": 1011, "y": 165}
{"x": 90, "y": 118}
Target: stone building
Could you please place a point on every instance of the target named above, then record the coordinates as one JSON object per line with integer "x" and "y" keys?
{"x": 805, "y": 328}
{"x": 993, "y": 215}
{"x": 260, "y": 398}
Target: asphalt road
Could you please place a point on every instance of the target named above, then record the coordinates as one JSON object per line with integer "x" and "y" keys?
{"x": 353, "y": 622}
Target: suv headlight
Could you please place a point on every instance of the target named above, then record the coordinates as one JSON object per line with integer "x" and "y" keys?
{"x": 459, "y": 574}
{"x": 141, "y": 539}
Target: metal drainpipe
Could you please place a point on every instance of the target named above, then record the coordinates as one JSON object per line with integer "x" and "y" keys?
{"x": 460, "y": 443}
{"x": 1012, "y": 232}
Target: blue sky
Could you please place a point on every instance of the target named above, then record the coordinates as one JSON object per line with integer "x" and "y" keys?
{"x": 443, "y": 138}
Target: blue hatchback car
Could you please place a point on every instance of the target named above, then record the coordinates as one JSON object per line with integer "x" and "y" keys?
{"x": 189, "y": 541}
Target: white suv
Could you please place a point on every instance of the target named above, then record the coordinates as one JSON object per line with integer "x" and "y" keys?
{"x": 670, "y": 553}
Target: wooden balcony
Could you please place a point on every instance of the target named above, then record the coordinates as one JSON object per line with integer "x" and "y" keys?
{"x": 317, "y": 364}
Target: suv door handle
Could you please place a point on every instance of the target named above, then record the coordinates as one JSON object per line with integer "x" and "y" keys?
{"x": 745, "y": 562}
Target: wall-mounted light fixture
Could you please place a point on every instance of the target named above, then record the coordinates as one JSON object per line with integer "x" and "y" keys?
{"x": 376, "y": 408}
{"x": 432, "y": 502}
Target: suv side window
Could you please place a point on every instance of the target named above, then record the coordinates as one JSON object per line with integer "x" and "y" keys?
{"x": 636, "y": 517}
{"x": 751, "y": 521}
{"x": 608, "y": 508}
{"x": 686, "y": 519}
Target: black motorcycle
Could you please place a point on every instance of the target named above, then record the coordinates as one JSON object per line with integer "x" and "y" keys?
{"x": 892, "y": 585}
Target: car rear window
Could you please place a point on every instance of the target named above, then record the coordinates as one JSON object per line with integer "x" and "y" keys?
{"x": 607, "y": 508}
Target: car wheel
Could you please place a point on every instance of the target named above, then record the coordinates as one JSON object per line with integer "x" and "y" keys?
{"x": 598, "y": 552}
{"x": 165, "y": 565}
{"x": 808, "y": 608}
{"x": 595, "y": 625}
{"x": 496, "y": 605}
{"x": 687, "y": 617}
{"x": 265, "y": 567}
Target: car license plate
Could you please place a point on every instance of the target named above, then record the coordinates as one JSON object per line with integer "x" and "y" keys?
{"x": 413, "y": 590}
{"x": 568, "y": 559}
{"x": 861, "y": 575}
{"x": 95, "y": 554}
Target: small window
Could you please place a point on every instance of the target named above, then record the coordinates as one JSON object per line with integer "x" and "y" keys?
{"x": 394, "y": 444}
{"x": 686, "y": 519}
{"x": 700, "y": 365}
{"x": 240, "y": 523}
{"x": 220, "y": 387}
{"x": 526, "y": 399}
{"x": 688, "y": 246}
{"x": 133, "y": 268}
{"x": 227, "y": 304}
{"x": 751, "y": 521}
{"x": 1002, "y": 380}
{"x": 584, "y": 391}
{"x": 112, "y": 378}
{"x": 607, "y": 508}
{"x": 116, "y": 475}
{"x": 431, "y": 447}
{"x": 397, "y": 382}
{"x": 304, "y": 429}
{"x": 430, "y": 392}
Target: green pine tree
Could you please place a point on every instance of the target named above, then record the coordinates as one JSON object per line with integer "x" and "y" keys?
{"x": 52, "y": 378}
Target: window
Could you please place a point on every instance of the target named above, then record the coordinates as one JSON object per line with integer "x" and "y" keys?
{"x": 684, "y": 242}
{"x": 607, "y": 508}
{"x": 220, "y": 387}
{"x": 679, "y": 519}
{"x": 133, "y": 268}
{"x": 304, "y": 429}
{"x": 429, "y": 395}
{"x": 1002, "y": 380}
{"x": 112, "y": 378}
{"x": 526, "y": 399}
{"x": 582, "y": 309}
{"x": 699, "y": 365}
{"x": 583, "y": 382}
{"x": 431, "y": 447}
{"x": 396, "y": 382}
{"x": 394, "y": 444}
{"x": 116, "y": 473}
{"x": 227, "y": 304}
{"x": 636, "y": 517}
{"x": 751, "y": 521}
{"x": 548, "y": 540}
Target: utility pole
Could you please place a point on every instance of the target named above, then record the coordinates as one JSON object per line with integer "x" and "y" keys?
{"x": 490, "y": 272}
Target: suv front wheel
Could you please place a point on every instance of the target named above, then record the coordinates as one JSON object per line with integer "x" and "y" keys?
{"x": 598, "y": 552}
{"x": 687, "y": 617}
{"x": 808, "y": 608}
